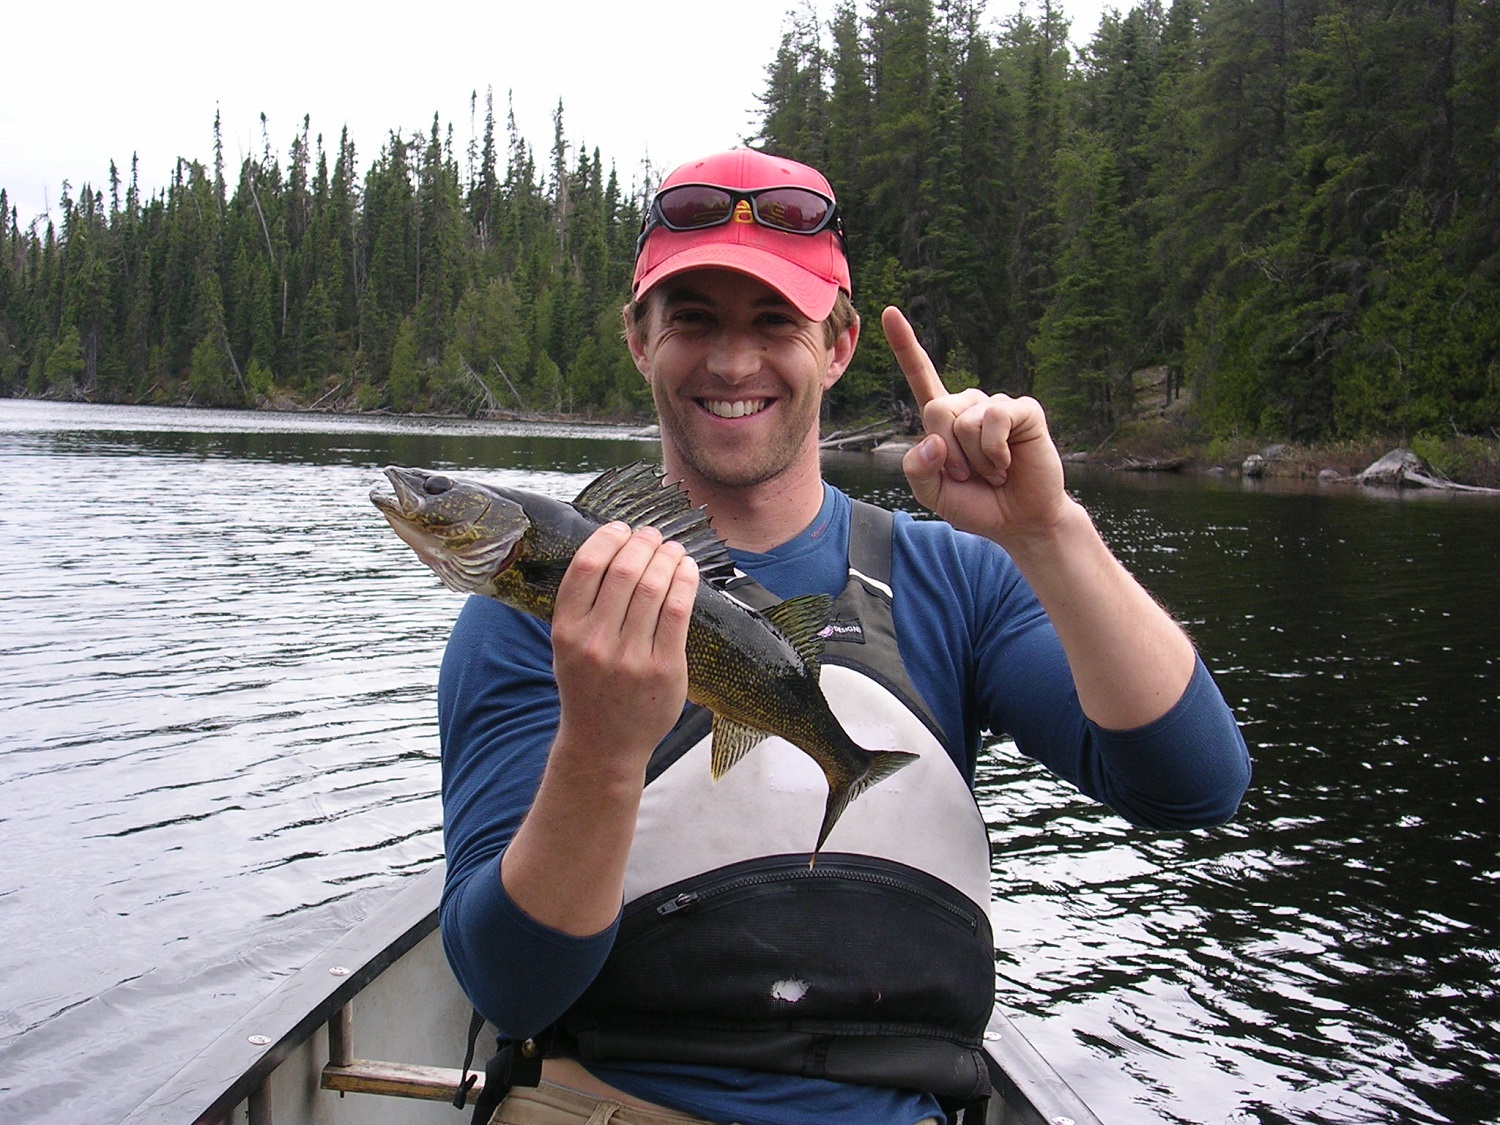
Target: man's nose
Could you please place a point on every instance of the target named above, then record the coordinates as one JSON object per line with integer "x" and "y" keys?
{"x": 734, "y": 355}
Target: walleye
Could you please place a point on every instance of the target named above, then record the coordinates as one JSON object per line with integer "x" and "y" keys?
{"x": 756, "y": 671}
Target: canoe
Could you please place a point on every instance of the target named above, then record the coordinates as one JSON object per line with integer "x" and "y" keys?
{"x": 372, "y": 1031}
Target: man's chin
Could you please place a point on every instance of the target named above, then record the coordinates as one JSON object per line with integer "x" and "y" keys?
{"x": 734, "y": 453}
{"x": 722, "y": 467}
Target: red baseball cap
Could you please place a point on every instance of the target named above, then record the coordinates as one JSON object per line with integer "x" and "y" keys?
{"x": 808, "y": 270}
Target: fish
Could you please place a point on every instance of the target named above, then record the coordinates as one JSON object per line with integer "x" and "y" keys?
{"x": 755, "y": 670}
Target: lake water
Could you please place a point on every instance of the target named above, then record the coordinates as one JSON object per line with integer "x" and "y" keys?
{"x": 218, "y": 750}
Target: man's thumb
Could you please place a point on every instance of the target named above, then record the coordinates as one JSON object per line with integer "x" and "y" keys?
{"x": 923, "y": 466}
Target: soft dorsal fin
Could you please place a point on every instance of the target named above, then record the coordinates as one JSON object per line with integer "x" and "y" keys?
{"x": 634, "y": 494}
{"x": 802, "y": 621}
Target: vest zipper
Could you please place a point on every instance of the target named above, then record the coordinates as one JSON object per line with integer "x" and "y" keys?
{"x": 690, "y": 900}
{"x": 682, "y": 902}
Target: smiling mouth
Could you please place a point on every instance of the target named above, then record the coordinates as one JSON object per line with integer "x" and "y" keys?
{"x": 741, "y": 408}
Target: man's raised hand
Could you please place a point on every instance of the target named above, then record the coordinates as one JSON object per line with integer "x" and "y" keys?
{"x": 987, "y": 463}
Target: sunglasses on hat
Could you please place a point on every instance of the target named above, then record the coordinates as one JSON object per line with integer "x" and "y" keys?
{"x": 791, "y": 210}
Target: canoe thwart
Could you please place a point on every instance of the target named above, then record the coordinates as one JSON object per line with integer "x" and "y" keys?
{"x": 397, "y": 1080}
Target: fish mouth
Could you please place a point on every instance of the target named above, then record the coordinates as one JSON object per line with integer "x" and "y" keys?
{"x": 468, "y": 557}
{"x": 408, "y": 486}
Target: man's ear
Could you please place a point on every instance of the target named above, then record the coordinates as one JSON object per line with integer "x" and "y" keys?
{"x": 635, "y": 339}
{"x": 843, "y": 354}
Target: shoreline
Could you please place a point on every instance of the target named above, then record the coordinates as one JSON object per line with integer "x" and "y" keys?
{"x": 1154, "y": 445}
{"x": 1460, "y": 463}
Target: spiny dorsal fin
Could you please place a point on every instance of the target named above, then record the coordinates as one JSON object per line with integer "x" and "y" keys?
{"x": 802, "y": 621}
{"x": 634, "y": 494}
{"x": 731, "y": 742}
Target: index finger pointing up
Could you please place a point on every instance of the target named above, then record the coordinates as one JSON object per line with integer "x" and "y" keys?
{"x": 921, "y": 375}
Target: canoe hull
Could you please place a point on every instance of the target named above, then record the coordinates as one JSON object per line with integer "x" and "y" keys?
{"x": 384, "y": 992}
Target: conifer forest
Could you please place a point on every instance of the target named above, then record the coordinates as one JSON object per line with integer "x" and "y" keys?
{"x": 1292, "y": 207}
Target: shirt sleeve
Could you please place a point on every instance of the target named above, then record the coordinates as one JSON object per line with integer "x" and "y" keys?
{"x": 1188, "y": 769}
{"x": 497, "y": 716}
{"x": 997, "y": 662}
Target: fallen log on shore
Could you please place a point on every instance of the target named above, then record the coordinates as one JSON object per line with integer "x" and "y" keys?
{"x": 1151, "y": 464}
{"x": 1401, "y": 468}
{"x": 864, "y": 437}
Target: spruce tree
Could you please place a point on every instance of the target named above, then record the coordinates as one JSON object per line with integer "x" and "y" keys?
{"x": 1082, "y": 355}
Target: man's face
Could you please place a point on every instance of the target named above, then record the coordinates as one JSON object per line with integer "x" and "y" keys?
{"x": 737, "y": 375}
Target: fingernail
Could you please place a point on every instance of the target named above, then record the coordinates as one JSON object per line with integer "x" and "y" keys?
{"x": 928, "y": 450}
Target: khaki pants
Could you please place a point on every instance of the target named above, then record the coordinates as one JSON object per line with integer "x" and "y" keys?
{"x": 550, "y": 1104}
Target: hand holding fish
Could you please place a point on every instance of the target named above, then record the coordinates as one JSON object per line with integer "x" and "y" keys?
{"x": 619, "y": 637}
{"x": 987, "y": 464}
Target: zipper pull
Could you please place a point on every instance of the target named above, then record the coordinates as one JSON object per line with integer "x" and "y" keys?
{"x": 684, "y": 901}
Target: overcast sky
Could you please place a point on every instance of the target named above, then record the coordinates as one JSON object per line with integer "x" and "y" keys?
{"x": 86, "y": 82}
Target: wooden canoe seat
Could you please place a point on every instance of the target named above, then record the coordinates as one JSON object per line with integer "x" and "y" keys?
{"x": 349, "y": 1075}
{"x": 397, "y": 1080}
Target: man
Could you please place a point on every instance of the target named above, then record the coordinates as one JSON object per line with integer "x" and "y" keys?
{"x": 742, "y": 985}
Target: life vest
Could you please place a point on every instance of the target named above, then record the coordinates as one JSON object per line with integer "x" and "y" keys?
{"x": 874, "y": 965}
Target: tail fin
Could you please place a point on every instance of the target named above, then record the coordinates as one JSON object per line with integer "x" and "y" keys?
{"x": 882, "y": 763}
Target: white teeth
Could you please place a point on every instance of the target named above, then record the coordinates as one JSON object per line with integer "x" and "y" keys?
{"x": 736, "y": 409}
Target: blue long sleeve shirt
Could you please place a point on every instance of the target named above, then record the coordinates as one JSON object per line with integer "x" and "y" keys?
{"x": 985, "y": 658}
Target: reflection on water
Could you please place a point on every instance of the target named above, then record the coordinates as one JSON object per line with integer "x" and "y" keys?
{"x": 1330, "y": 957}
{"x": 218, "y": 750}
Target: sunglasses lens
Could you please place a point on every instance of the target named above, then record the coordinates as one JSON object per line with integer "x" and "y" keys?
{"x": 792, "y": 209}
{"x": 693, "y": 206}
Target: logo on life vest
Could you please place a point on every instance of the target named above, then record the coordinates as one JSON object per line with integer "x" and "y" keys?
{"x": 847, "y": 629}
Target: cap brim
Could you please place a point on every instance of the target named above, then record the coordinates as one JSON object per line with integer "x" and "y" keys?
{"x": 812, "y": 296}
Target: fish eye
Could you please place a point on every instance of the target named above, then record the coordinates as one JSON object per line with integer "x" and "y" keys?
{"x": 436, "y": 485}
